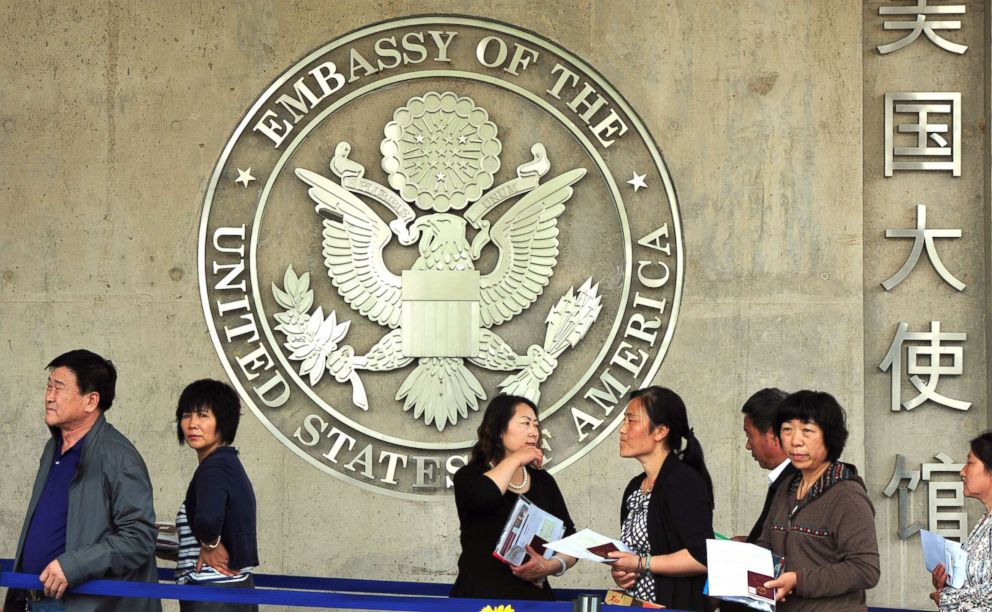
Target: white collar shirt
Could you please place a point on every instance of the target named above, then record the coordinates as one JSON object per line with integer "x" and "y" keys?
{"x": 774, "y": 474}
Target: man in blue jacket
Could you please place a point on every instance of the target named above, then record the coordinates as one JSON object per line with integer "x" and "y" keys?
{"x": 91, "y": 513}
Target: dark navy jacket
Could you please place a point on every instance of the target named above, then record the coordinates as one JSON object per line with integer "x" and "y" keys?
{"x": 220, "y": 501}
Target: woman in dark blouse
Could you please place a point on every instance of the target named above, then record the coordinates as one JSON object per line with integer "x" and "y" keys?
{"x": 667, "y": 512}
{"x": 216, "y": 522}
{"x": 505, "y": 463}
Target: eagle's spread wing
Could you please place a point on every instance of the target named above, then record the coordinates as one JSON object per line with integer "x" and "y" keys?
{"x": 527, "y": 238}
{"x": 353, "y": 248}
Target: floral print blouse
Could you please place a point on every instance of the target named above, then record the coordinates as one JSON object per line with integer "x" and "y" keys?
{"x": 976, "y": 594}
{"x": 634, "y": 533}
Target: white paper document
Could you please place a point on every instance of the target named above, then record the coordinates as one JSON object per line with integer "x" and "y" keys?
{"x": 589, "y": 545}
{"x": 938, "y": 549}
{"x": 738, "y": 572}
{"x": 528, "y": 525}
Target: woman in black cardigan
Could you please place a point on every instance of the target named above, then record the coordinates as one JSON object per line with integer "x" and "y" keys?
{"x": 667, "y": 512}
{"x": 505, "y": 463}
{"x": 216, "y": 522}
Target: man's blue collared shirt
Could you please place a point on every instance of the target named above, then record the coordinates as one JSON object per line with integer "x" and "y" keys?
{"x": 45, "y": 539}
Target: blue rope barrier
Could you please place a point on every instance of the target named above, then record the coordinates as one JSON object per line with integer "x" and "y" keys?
{"x": 356, "y": 585}
{"x": 261, "y": 596}
{"x": 297, "y": 591}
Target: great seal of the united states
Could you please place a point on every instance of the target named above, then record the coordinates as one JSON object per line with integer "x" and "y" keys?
{"x": 422, "y": 214}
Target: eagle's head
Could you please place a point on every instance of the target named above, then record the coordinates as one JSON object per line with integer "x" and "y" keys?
{"x": 441, "y": 234}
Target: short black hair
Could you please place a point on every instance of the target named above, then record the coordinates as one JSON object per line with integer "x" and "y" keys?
{"x": 819, "y": 408}
{"x": 762, "y": 406}
{"x": 220, "y": 398}
{"x": 981, "y": 447}
{"x": 93, "y": 374}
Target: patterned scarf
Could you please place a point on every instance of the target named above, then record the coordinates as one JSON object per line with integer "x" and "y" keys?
{"x": 837, "y": 472}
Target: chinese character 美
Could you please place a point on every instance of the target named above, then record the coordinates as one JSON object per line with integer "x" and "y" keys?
{"x": 931, "y": 366}
{"x": 898, "y": 476}
{"x": 921, "y": 156}
{"x": 947, "y": 515}
{"x": 920, "y": 25}
{"x": 922, "y": 237}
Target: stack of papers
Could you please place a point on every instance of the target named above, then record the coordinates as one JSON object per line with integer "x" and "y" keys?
{"x": 528, "y": 525}
{"x": 738, "y": 572}
{"x": 166, "y": 539}
{"x": 938, "y": 549}
{"x": 589, "y": 545}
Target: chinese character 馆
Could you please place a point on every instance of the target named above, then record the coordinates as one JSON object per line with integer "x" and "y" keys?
{"x": 946, "y": 514}
{"x": 899, "y": 475}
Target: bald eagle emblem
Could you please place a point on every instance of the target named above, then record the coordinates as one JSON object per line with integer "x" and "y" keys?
{"x": 440, "y": 153}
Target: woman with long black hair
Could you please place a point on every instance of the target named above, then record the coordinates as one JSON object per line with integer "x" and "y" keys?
{"x": 505, "y": 463}
{"x": 667, "y": 512}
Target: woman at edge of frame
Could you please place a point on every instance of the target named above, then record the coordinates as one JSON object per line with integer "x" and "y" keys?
{"x": 667, "y": 512}
{"x": 504, "y": 464}
{"x": 216, "y": 523}
{"x": 822, "y": 521}
{"x": 976, "y": 592}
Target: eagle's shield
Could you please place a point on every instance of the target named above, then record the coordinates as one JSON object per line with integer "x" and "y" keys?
{"x": 440, "y": 313}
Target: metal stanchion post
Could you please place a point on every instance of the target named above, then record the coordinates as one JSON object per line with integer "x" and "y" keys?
{"x": 587, "y": 603}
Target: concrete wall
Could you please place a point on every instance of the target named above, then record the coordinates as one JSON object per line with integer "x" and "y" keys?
{"x": 113, "y": 116}
{"x": 952, "y": 202}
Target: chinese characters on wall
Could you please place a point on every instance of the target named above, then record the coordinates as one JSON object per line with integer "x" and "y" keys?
{"x": 923, "y": 134}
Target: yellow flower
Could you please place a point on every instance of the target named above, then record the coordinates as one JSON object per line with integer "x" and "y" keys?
{"x": 499, "y": 608}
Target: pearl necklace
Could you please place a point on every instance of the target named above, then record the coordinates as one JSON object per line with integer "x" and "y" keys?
{"x": 522, "y": 485}
{"x": 516, "y": 487}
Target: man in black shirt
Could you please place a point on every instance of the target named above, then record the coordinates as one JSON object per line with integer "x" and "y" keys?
{"x": 762, "y": 441}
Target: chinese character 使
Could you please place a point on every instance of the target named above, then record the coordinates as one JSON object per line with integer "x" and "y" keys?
{"x": 920, "y": 25}
{"x": 931, "y": 365}
{"x": 922, "y": 237}
{"x": 917, "y": 152}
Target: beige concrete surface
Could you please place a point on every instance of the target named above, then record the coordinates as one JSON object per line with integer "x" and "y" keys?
{"x": 113, "y": 115}
{"x": 952, "y": 202}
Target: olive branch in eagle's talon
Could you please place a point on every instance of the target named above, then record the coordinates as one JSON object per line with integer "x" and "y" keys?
{"x": 312, "y": 338}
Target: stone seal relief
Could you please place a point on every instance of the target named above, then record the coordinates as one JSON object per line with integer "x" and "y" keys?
{"x": 424, "y": 213}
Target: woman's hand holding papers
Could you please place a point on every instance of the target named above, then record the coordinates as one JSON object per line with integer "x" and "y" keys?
{"x": 784, "y": 585}
{"x": 536, "y": 568}
{"x": 625, "y": 569}
{"x": 626, "y": 562}
{"x": 939, "y": 578}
